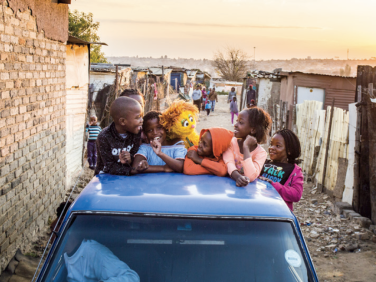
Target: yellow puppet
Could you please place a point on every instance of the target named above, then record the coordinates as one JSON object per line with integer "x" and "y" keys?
{"x": 180, "y": 122}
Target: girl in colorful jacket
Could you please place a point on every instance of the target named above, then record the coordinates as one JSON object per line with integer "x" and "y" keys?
{"x": 282, "y": 170}
{"x": 245, "y": 157}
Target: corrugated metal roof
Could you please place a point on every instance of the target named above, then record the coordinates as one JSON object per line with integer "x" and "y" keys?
{"x": 310, "y": 73}
{"x": 158, "y": 71}
{"x": 76, "y": 40}
{"x": 191, "y": 73}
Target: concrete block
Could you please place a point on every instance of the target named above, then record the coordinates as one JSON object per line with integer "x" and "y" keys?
{"x": 353, "y": 215}
{"x": 363, "y": 221}
{"x": 339, "y": 207}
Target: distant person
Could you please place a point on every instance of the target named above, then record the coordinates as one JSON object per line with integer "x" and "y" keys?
{"x": 245, "y": 157}
{"x": 282, "y": 170}
{"x": 121, "y": 137}
{"x": 213, "y": 97}
{"x": 94, "y": 129}
{"x": 208, "y": 107}
{"x": 206, "y": 158}
{"x": 231, "y": 94}
{"x": 196, "y": 97}
{"x": 234, "y": 109}
{"x": 204, "y": 98}
{"x": 251, "y": 95}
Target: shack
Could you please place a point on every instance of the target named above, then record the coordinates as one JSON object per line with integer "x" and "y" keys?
{"x": 204, "y": 78}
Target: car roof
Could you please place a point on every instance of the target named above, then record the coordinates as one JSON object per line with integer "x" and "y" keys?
{"x": 175, "y": 193}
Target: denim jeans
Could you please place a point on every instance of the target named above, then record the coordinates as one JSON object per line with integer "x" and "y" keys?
{"x": 92, "y": 153}
{"x": 213, "y": 105}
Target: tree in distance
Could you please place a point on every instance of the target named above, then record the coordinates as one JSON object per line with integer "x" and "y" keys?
{"x": 231, "y": 63}
{"x": 82, "y": 25}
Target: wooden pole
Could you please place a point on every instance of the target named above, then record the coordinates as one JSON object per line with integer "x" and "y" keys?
{"x": 242, "y": 96}
{"x": 371, "y": 111}
{"x": 356, "y": 198}
{"x": 327, "y": 146}
{"x": 116, "y": 81}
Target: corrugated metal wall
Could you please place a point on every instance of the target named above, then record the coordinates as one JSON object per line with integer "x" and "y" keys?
{"x": 77, "y": 82}
{"x": 340, "y": 88}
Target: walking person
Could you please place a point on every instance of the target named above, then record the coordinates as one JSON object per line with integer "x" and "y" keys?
{"x": 208, "y": 107}
{"x": 231, "y": 94}
{"x": 234, "y": 109}
{"x": 93, "y": 131}
{"x": 204, "y": 97}
{"x": 196, "y": 97}
{"x": 251, "y": 95}
{"x": 213, "y": 97}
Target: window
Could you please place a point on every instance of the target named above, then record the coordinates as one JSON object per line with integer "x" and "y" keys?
{"x": 185, "y": 249}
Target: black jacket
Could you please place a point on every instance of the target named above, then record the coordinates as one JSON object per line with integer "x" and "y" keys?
{"x": 109, "y": 146}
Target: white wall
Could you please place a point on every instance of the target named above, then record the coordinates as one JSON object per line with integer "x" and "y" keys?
{"x": 349, "y": 182}
{"x": 77, "y": 80}
{"x": 264, "y": 93}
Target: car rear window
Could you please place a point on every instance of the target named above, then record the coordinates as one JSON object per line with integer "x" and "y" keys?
{"x": 178, "y": 249}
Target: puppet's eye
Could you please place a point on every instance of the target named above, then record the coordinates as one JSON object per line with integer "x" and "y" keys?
{"x": 184, "y": 123}
{"x": 191, "y": 118}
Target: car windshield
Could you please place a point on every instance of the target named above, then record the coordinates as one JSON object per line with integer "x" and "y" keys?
{"x": 100, "y": 247}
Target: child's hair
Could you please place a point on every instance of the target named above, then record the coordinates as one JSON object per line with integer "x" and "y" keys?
{"x": 234, "y": 98}
{"x": 261, "y": 121}
{"x": 292, "y": 145}
{"x": 149, "y": 116}
{"x": 93, "y": 117}
{"x": 60, "y": 209}
{"x": 132, "y": 92}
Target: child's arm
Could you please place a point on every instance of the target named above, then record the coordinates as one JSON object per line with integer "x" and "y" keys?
{"x": 175, "y": 165}
{"x": 140, "y": 165}
{"x": 111, "y": 166}
{"x": 229, "y": 160}
{"x": 203, "y": 166}
{"x": 291, "y": 193}
{"x": 254, "y": 158}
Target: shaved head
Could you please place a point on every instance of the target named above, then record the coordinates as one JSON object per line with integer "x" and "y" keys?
{"x": 121, "y": 106}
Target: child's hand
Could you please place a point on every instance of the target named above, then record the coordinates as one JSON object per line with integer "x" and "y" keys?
{"x": 167, "y": 169}
{"x": 265, "y": 179}
{"x": 250, "y": 142}
{"x": 157, "y": 146}
{"x": 194, "y": 157}
{"x": 125, "y": 157}
{"x": 242, "y": 181}
{"x": 143, "y": 165}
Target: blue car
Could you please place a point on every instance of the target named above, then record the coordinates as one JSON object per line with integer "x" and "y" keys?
{"x": 173, "y": 227}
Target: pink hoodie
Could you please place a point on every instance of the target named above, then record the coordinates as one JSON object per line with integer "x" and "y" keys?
{"x": 293, "y": 189}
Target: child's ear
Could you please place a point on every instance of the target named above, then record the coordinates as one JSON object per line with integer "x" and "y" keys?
{"x": 122, "y": 121}
{"x": 253, "y": 131}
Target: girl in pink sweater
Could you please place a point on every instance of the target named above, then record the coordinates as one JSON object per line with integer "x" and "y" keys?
{"x": 245, "y": 157}
{"x": 282, "y": 170}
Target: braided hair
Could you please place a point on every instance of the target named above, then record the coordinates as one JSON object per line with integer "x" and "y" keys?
{"x": 292, "y": 145}
{"x": 150, "y": 116}
{"x": 261, "y": 121}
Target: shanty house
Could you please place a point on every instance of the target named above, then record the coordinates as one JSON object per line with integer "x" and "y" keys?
{"x": 179, "y": 77}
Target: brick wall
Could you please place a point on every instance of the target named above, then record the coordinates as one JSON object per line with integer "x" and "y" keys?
{"x": 32, "y": 130}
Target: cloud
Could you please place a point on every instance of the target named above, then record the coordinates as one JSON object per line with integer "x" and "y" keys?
{"x": 206, "y": 24}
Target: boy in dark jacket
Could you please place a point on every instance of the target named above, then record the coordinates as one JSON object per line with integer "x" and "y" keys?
{"x": 122, "y": 136}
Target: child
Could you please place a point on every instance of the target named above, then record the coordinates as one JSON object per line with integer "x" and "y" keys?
{"x": 204, "y": 96}
{"x": 234, "y": 109}
{"x": 120, "y": 138}
{"x": 94, "y": 131}
{"x": 282, "y": 170}
{"x": 134, "y": 94}
{"x": 207, "y": 106}
{"x": 245, "y": 157}
{"x": 137, "y": 95}
{"x": 206, "y": 158}
{"x": 161, "y": 155}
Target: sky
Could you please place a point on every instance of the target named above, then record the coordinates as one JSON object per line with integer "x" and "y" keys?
{"x": 279, "y": 29}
